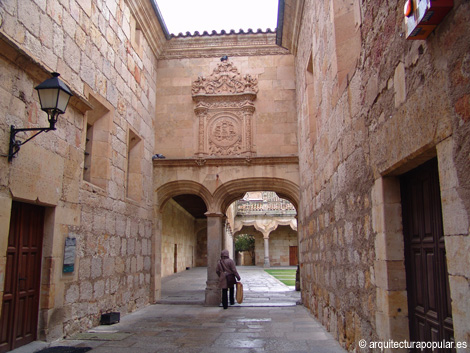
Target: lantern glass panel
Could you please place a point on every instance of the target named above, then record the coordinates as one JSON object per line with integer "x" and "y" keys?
{"x": 63, "y": 101}
{"x": 48, "y": 98}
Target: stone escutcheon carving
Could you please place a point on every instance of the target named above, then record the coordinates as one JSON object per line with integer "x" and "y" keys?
{"x": 224, "y": 107}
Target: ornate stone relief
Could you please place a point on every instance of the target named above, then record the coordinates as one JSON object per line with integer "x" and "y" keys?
{"x": 224, "y": 107}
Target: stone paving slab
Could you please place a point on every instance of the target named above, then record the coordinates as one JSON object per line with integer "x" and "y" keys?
{"x": 269, "y": 321}
{"x": 259, "y": 288}
{"x": 189, "y": 328}
{"x": 101, "y": 336}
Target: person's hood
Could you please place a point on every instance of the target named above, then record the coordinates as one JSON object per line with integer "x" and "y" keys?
{"x": 224, "y": 253}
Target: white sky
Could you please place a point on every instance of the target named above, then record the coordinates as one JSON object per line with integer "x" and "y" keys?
{"x": 208, "y": 15}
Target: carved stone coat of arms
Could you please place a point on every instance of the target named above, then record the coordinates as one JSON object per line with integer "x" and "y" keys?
{"x": 224, "y": 107}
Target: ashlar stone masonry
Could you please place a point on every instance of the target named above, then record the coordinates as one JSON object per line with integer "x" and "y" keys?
{"x": 336, "y": 108}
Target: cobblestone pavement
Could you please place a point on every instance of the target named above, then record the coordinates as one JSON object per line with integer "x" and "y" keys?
{"x": 268, "y": 321}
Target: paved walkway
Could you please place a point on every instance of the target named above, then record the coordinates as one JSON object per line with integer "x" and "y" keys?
{"x": 259, "y": 288}
{"x": 268, "y": 321}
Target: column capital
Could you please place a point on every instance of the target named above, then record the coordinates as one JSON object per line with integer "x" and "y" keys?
{"x": 214, "y": 214}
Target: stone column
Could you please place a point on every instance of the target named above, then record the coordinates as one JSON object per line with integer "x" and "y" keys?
{"x": 215, "y": 223}
{"x": 225, "y": 235}
{"x": 266, "y": 250}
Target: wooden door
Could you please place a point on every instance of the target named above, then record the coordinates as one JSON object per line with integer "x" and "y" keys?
{"x": 429, "y": 304}
{"x": 293, "y": 257}
{"x": 20, "y": 305}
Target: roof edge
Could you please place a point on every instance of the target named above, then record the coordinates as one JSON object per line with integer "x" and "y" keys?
{"x": 160, "y": 19}
{"x": 222, "y": 33}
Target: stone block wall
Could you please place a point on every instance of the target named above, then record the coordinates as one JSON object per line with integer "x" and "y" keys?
{"x": 89, "y": 43}
{"x": 201, "y": 243}
{"x": 402, "y": 103}
{"x": 280, "y": 240}
{"x": 274, "y": 121}
{"x": 178, "y": 230}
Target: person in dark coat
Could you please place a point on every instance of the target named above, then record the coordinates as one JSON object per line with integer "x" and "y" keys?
{"x": 225, "y": 268}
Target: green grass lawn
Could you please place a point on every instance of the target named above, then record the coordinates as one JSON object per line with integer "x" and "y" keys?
{"x": 285, "y": 276}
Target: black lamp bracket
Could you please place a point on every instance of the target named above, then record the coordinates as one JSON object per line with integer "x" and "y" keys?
{"x": 54, "y": 97}
{"x": 15, "y": 145}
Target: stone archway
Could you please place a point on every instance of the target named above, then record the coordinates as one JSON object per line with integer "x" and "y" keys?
{"x": 235, "y": 189}
{"x": 225, "y": 195}
{"x": 219, "y": 182}
{"x": 164, "y": 195}
{"x": 180, "y": 187}
{"x": 265, "y": 225}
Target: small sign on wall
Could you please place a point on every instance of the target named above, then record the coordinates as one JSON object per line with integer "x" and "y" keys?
{"x": 423, "y": 16}
{"x": 69, "y": 254}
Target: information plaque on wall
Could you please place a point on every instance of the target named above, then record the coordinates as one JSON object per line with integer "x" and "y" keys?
{"x": 69, "y": 254}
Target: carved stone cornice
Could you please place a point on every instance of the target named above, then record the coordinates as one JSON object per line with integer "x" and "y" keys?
{"x": 205, "y": 45}
{"x": 152, "y": 24}
{"x": 226, "y": 161}
{"x": 222, "y": 44}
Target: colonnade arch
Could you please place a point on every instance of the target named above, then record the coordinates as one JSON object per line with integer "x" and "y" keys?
{"x": 217, "y": 203}
{"x": 266, "y": 226}
{"x": 181, "y": 187}
{"x": 235, "y": 189}
{"x": 228, "y": 192}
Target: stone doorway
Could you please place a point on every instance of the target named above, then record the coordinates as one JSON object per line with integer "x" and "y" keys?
{"x": 20, "y": 304}
{"x": 429, "y": 302}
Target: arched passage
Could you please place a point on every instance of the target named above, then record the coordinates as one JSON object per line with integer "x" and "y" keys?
{"x": 183, "y": 220}
{"x": 182, "y": 187}
{"x": 180, "y": 219}
{"x": 235, "y": 189}
{"x": 266, "y": 211}
{"x": 217, "y": 203}
{"x": 281, "y": 240}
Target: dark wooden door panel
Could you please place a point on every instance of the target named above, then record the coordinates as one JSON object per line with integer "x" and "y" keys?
{"x": 421, "y": 329}
{"x": 431, "y": 285}
{"x": 293, "y": 257}
{"x": 6, "y": 314}
{"x": 20, "y": 304}
{"x": 418, "y": 285}
{"x": 429, "y": 305}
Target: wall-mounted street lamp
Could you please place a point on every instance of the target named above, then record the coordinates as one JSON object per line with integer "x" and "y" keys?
{"x": 54, "y": 97}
